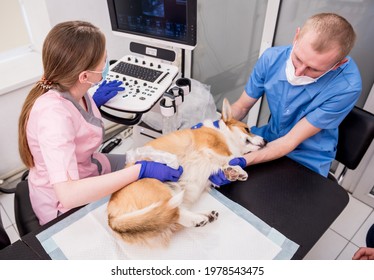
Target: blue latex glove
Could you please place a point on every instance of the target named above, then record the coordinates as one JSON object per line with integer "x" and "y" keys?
{"x": 106, "y": 91}
{"x": 159, "y": 171}
{"x": 219, "y": 178}
{"x": 215, "y": 123}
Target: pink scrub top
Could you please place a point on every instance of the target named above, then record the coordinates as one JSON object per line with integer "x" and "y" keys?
{"x": 63, "y": 140}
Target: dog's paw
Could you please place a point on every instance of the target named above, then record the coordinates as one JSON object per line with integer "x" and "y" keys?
{"x": 258, "y": 141}
{"x": 213, "y": 216}
{"x": 234, "y": 173}
{"x": 208, "y": 218}
{"x": 254, "y": 143}
{"x": 201, "y": 223}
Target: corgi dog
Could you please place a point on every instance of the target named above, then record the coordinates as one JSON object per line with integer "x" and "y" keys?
{"x": 148, "y": 211}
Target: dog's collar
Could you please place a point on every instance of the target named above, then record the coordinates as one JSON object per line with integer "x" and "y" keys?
{"x": 215, "y": 123}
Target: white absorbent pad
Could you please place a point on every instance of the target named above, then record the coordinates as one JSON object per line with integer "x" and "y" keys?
{"x": 236, "y": 234}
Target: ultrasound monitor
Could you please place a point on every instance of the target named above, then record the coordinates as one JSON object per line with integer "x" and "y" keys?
{"x": 171, "y": 23}
{"x": 162, "y": 36}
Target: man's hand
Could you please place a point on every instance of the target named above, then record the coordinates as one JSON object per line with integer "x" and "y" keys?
{"x": 219, "y": 178}
{"x": 364, "y": 253}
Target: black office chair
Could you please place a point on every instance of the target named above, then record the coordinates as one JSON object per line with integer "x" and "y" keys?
{"x": 4, "y": 238}
{"x": 26, "y": 219}
{"x": 356, "y": 133}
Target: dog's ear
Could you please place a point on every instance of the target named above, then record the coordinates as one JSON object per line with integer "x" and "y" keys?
{"x": 226, "y": 110}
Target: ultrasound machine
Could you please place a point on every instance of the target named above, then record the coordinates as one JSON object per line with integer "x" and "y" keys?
{"x": 155, "y": 74}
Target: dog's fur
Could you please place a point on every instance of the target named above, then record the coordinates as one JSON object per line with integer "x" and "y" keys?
{"x": 149, "y": 211}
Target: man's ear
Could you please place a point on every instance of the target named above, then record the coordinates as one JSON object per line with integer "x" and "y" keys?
{"x": 296, "y": 35}
{"x": 344, "y": 60}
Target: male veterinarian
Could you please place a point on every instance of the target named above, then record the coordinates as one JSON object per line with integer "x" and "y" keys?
{"x": 310, "y": 87}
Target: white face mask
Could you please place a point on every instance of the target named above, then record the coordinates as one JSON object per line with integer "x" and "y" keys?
{"x": 300, "y": 80}
{"x": 104, "y": 73}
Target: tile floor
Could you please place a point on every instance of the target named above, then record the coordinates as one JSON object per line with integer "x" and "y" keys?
{"x": 339, "y": 242}
{"x": 7, "y": 214}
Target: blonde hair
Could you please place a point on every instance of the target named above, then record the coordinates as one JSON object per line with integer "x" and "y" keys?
{"x": 69, "y": 48}
{"x": 333, "y": 31}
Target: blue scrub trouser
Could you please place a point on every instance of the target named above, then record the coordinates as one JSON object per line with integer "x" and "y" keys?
{"x": 370, "y": 237}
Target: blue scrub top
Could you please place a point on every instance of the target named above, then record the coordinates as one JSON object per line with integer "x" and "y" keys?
{"x": 324, "y": 103}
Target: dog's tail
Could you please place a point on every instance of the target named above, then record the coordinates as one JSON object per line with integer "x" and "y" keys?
{"x": 152, "y": 224}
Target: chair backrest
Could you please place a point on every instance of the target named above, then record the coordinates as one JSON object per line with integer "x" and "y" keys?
{"x": 26, "y": 219}
{"x": 4, "y": 238}
{"x": 356, "y": 133}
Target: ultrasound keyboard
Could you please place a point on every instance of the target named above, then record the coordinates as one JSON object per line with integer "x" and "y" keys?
{"x": 145, "y": 81}
{"x": 136, "y": 71}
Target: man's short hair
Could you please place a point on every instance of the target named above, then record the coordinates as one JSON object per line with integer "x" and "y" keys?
{"x": 333, "y": 31}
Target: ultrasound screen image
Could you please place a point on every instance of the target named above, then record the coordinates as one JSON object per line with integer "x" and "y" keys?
{"x": 155, "y": 18}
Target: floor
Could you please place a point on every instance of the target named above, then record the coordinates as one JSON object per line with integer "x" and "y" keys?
{"x": 340, "y": 241}
{"x": 7, "y": 214}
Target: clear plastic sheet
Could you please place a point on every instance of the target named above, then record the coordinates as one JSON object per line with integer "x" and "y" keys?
{"x": 198, "y": 106}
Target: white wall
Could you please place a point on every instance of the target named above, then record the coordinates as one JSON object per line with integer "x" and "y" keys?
{"x": 17, "y": 77}
{"x": 10, "y": 107}
{"x": 94, "y": 11}
{"x": 12, "y": 97}
{"x": 229, "y": 38}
